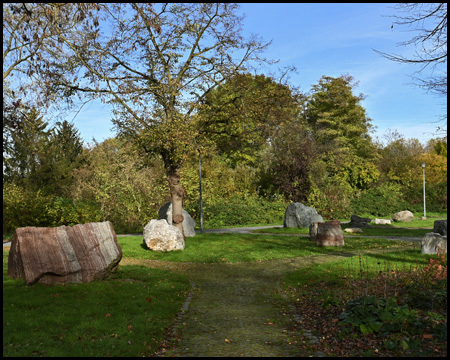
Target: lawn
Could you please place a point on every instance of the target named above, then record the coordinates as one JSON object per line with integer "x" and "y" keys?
{"x": 124, "y": 316}
{"x": 129, "y": 314}
{"x": 414, "y": 228}
{"x": 211, "y": 248}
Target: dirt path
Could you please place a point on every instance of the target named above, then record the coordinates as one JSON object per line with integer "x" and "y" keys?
{"x": 236, "y": 309}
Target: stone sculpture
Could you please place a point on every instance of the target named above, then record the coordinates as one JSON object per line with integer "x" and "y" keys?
{"x": 64, "y": 254}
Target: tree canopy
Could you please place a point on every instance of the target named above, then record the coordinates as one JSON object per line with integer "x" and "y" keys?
{"x": 154, "y": 63}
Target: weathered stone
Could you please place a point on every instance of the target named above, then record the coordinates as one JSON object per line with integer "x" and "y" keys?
{"x": 440, "y": 227}
{"x": 165, "y": 212}
{"x": 404, "y": 216}
{"x": 160, "y": 236}
{"x": 382, "y": 222}
{"x": 431, "y": 241}
{"x": 359, "y": 222}
{"x": 301, "y": 216}
{"x": 353, "y": 230}
{"x": 64, "y": 254}
{"x": 327, "y": 233}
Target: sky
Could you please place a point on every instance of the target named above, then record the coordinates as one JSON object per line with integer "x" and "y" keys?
{"x": 332, "y": 40}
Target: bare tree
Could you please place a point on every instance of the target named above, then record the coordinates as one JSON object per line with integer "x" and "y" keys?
{"x": 429, "y": 22}
{"x": 154, "y": 63}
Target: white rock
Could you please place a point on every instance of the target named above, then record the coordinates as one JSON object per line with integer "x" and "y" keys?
{"x": 382, "y": 222}
{"x": 404, "y": 215}
{"x": 353, "y": 230}
{"x": 160, "y": 236}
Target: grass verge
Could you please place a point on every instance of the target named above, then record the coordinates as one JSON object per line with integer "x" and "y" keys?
{"x": 126, "y": 315}
{"x": 211, "y": 248}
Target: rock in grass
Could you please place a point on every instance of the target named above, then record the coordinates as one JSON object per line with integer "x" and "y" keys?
{"x": 160, "y": 236}
{"x": 327, "y": 233}
{"x": 64, "y": 254}
{"x": 300, "y": 216}
{"x": 382, "y": 222}
{"x": 405, "y": 216}
{"x": 431, "y": 241}
{"x": 440, "y": 227}
{"x": 353, "y": 230}
{"x": 359, "y": 222}
{"x": 165, "y": 212}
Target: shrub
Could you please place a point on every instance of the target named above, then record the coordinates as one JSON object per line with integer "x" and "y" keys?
{"x": 23, "y": 207}
{"x": 238, "y": 210}
{"x": 382, "y": 200}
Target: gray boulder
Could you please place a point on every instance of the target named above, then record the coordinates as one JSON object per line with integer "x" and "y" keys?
{"x": 405, "y": 216}
{"x": 165, "y": 212}
{"x": 160, "y": 236}
{"x": 359, "y": 222}
{"x": 440, "y": 227}
{"x": 301, "y": 216}
{"x": 431, "y": 241}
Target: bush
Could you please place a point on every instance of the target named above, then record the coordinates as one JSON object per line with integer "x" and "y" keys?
{"x": 383, "y": 200}
{"x": 238, "y": 210}
{"x": 30, "y": 208}
{"x": 23, "y": 208}
{"x": 64, "y": 211}
{"x": 332, "y": 200}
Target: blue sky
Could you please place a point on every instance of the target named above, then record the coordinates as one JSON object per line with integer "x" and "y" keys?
{"x": 333, "y": 40}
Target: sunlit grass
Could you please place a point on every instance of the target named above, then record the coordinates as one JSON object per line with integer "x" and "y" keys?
{"x": 210, "y": 248}
{"x": 124, "y": 316}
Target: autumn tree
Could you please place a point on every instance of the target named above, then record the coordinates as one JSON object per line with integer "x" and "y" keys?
{"x": 154, "y": 63}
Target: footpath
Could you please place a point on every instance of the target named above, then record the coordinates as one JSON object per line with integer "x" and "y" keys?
{"x": 238, "y": 309}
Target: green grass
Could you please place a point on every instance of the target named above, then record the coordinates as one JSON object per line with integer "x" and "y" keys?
{"x": 373, "y": 231}
{"x": 124, "y": 316}
{"x": 350, "y": 268}
{"x": 211, "y": 248}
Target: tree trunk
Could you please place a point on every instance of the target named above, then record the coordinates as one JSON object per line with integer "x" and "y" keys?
{"x": 177, "y": 194}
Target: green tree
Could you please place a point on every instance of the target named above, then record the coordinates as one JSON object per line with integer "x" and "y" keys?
{"x": 155, "y": 63}
{"x": 63, "y": 148}
{"x": 341, "y": 129}
{"x": 128, "y": 189}
{"x": 22, "y": 158}
{"x": 400, "y": 159}
{"x": 289, "y": 159}
{"x": 240, "y": 116}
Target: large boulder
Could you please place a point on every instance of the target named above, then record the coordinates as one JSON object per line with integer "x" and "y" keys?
{"x": 160, "y": 236}
{"x": 404, "y": 216}
{"x": 165, "y": 212}
{"x": 440, "y": 227}
{"x": 64, "y": 254}
{"x": 431, "y": 241}
{"x": 301, "y": 216}
{"x": 359, "y": 222}
{"x": 327, "y": 233}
